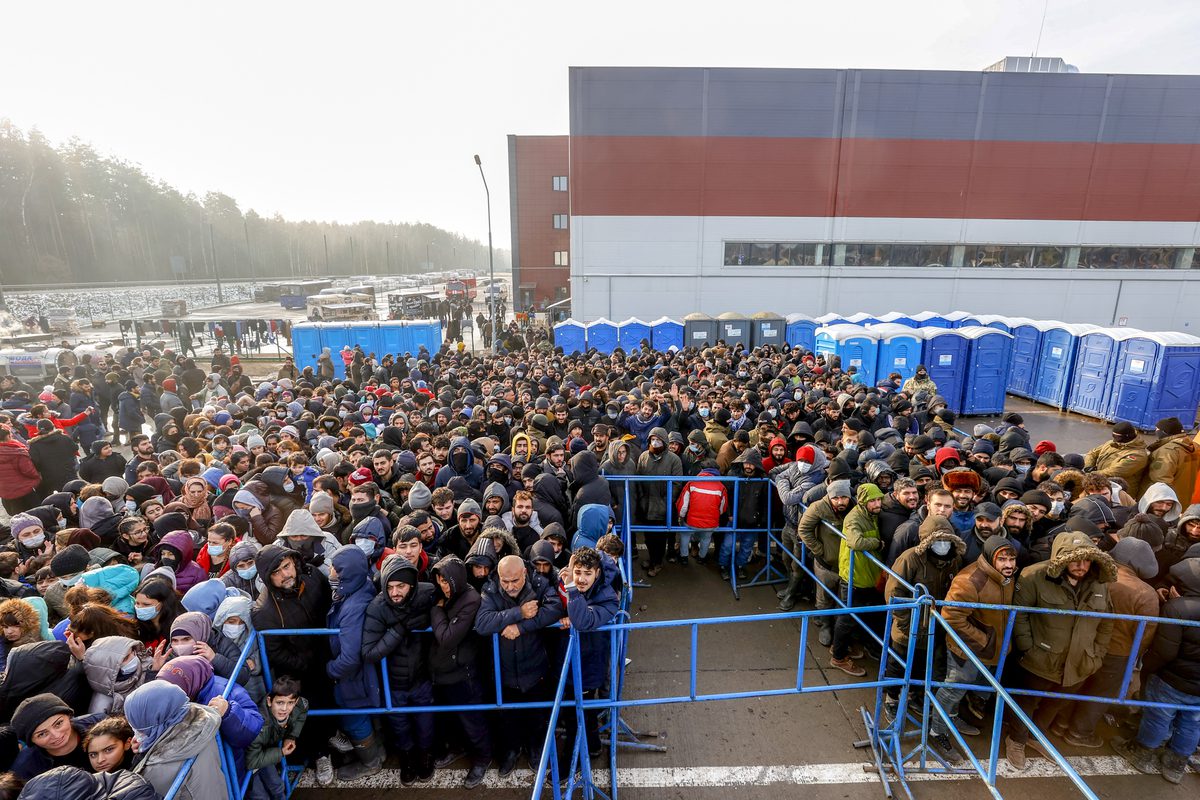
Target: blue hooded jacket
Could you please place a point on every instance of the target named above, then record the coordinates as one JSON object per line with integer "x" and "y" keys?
{"x": 473, "y": 473}
{"x": 357, "y": 684}
{"x": 590, "y": 611}
{"x": 593, "y": 523}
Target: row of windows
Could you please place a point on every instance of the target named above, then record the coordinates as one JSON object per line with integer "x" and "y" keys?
{"x": 857, "y": 254}
{"x": 560, "y": 183}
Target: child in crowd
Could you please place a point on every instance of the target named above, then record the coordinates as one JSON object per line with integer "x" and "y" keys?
{"x": 285, "y": 712}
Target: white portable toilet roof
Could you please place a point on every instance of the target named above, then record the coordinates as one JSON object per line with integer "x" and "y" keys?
{"x": 1014, "y": 322}
{"x": 1120, "y": 334}
{"x": 660, "y": 321}
{"x": 976, "y": 331}
{"x": 886, "y": 331}
{"x": 601, "y": 321}
{"x": 858, "y": 317}
{"x": 1073, "y": 328}
{"x": 921, "y": 316}
{"x": 1172, "y": 338}
{"x": 572, "y": 322}
{"x": 825, "y": 318}
{"x": 842, "y": 332}
{"x": 955, "y": 316}
{"x": 630, "y": 321}
{"x": 986, "y": 319}
{"x": 892, "y": 316}
{"x": 932, "y": 333}
{"x": 795, "y": 317}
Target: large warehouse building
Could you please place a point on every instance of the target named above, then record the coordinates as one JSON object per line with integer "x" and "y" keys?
{"x": 1056, "y": 196}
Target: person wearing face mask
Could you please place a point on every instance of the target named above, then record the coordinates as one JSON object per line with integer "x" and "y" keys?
{"x": 460, "y": 463}
{"x": 933, "y": 564}
{"x": 231, "y": 628}
{"x": 919, "y": 382}
{"x": 243, "y": 574}
{"x": 156, "y": 605}
{"x": 792, "y": 482}
{"x": 174, "y": 551}
{"x": 29, "y": 537}
{"x": 302, "y": 534}
{"x": 115, "y": 666}
{"x": 650, "y": 497}
{"x": 370, "y": 536}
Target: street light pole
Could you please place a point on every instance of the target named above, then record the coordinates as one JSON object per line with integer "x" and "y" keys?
{"x": 491, "y": 261}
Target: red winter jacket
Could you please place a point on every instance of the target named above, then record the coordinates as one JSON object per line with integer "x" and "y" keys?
{"x": 18, "y": 475}
{"x": 701, "y": 503}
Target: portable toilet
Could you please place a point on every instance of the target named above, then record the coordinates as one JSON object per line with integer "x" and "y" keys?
{"x": 899, "y": 350}
{"x": 733, "y": 328}
{"x": 335, "y": 336}
{"x": 425, "y": 333}
{"x": 666, "y": 334}
{"x": 602, "y": 335}
{"x": 857, "y": 347}
{"x": 945, "y": 358}
{"x": 801, "y": 331}
{"x": 896, "y": 318}
{"x": 397, "y": 337}
{"x": 1056, "y": 362}
{"x": 571, "y": 336}
{"x": 699, "y": 330}
{"x": 830, "y": 319}
{"x": 861, "y": 318}
{"x": 1158, "y": 375}
{"x": 958, "y": 319}
{"x": 987, "y": 369}
{"x": 931, "y": 319}
{"x": 997, "y": 321}
{"x": 1095, "y": 368}
{"x": 766, "y": 328}
{"x": 1027, "y": 345}
{"x": 366, "y": 336}
{"x": 306, "y": 344}
{"x": 631, "y": 332}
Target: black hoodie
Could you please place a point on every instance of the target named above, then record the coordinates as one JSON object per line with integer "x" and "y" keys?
{"x": 390, "y": 629}
{"x": 305, "y": 606}
{"x": 588, "y": 485}
{"x": 452, "y": 657}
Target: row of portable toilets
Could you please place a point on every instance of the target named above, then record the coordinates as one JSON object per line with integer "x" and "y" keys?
{"x": 1108, "y": 373}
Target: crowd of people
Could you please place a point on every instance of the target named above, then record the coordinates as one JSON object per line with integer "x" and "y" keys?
{"x": 423, "y": 503}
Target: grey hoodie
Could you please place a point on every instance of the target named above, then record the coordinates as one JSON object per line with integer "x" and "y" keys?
{"x": 496, "y": 490}
{"x": 102, "y": 661}
{"x": 1156, "y": 492}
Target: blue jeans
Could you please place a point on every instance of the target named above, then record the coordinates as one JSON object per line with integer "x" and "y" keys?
{"x": 703, "y": 540}
{"x": 357, "y": 726}
{"x": 1183, "y": 727}
{"x": 745, "y": 548}
{"x": 412, "y": 730}
{"x": 957, "y": 671}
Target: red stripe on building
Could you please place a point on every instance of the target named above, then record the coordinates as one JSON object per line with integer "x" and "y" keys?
{"x": 773, "y": 177}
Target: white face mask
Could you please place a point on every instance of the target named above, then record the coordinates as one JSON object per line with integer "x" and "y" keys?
{"x": 1057, "y": 507}
{"x": 366, "y": 545}
{"x": 184, "y": 649}
{"x": 803, "y": 467}
{"x": 232, "y": 630}
{"x": 941, "y": 547}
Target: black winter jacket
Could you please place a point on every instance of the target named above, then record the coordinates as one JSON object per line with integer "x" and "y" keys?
{"x": 391, "y": 629}
{"x": 455, "y": 648}
{"x": 305, "y": 606}
{"x": 523, "y": 661}
{"x": 1175, "y": 653}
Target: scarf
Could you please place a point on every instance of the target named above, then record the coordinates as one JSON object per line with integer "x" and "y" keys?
{"x": 198, "y": 508}
{"x": 154, "y": 708}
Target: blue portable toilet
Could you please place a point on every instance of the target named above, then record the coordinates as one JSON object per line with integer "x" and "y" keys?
{"x": 1056, "y": 362}
{"x": 801, "y": 331}
{"x": 857, "y": 347}
{"x": 899, "y": 350}
{"x": 631, "y": 332}
{"x": 897, "y": 318}
{"x": 602, "y": 335}
{"x": 699, "y": 330}
{"x": 959, "y": 319}
{"x": 366, "y": 336}
{"x": 830, "y": 319}
{"x": 666, "y": 334}
{"x": 987, "y": 369}
{"x": 397, "y": 338}
{"x": 1027, "y": 345}
{"x": 1158, "y": 375}
{"x": 945, "y": 358}
{"x": 571, "y": 336}
{"x": 733, "y": 328}
{"x": 931, "y": 319}
{"x": 766, "y": 328}
{"x": 425, "y": 333}
{"x": 1095, "y": 367}
{"x": 335, "y": 336}
{"x": 306, "y": 344}
{"x": 997, "y": 321}
{"x": 861, "y": 318}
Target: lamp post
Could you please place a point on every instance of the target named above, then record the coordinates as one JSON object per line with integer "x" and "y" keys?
{"x": 491, "y": 261}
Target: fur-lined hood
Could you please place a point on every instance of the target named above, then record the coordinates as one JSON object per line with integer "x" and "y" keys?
{"x": 1071, "y": 480}
{"x": 1016, "y": 505}
{"x": 1074, "y": 546}
{"x": 27, "y": 619}
{"x": 938, "y": 529}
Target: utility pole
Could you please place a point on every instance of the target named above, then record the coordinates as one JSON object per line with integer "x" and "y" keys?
{"x": 249, "y": 255}
{"x": 491, "y": 262}
{"x": 387, "y": 251}
{"x": 212, "y": 243}
{"x": 325, "y": 236}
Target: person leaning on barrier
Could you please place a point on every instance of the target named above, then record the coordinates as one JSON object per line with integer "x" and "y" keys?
{"x": 933, "y": 564}
{"x": 517, "y": 603}
{"x": 898, "y": 507}
{"x": 792, "y": 482}
{"x": 1173, "y": 667}
{"x": 1059, "y": 651}
{"x": 861, "y": 541}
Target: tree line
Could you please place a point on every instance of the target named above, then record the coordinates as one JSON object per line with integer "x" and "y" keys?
{"x": 71, "y": 215}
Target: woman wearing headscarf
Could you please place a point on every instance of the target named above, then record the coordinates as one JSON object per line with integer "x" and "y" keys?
{"x": 175, "y": 551}
{"x": 241, "y": 719}
{"x": 231, "y": 630}
{"x": 160, "y": 486}
{"x": 168, "y": 731}
{"x": 243, "y": 572}
{"x": 195, "y": 499}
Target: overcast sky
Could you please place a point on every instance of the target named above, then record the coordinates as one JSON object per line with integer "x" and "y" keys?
{"x": 347, "y": 111}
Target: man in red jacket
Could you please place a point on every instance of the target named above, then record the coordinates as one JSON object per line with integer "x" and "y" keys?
{"x": 701, "y": 505}
{"x": 19, "y": 478}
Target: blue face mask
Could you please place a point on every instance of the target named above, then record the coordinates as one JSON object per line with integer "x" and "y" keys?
{"x": 366, "y": 545}
{"x": 146, "y": 613}
{"x": 248, "y": 574}
{"x": 216, "y": 549}
{"x": 244, "y": 513}
{"x": 704, "y": 412}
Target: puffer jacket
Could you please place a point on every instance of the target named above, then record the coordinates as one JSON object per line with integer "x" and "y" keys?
{"x": 1175, "y": 654}
{"x": 817, "y": 536}
{"x": 752, "y": 496}
{"x": 455, "y": 646}
{"x": 1175, "y": 460}
{"x": 590, "y": 611}
{"x": 861, "y": 530}
{"x": 1062, "y": 648}
{"x": 523, "y": 661}
{"x": 1125, "y": 460}
{"x": 702, "y": 504}
{"x": 391, "y": 629}
{"x": 357, "y": 684}
{"x": 791, "y": 484}
{"x": 304, "y": 606}
{"x": 101, "y": 664}
{"x": 187, "y": 573}
{"x": 71, "y": 783}
{"x": 18, "y": 475}
{"x": 920, "y": 565}
{"x": 981, "y": 628}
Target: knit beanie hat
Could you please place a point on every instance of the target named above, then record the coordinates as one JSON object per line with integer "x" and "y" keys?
{"x": 1169, "y": 426}
{"x": 1146, "y": 527}
{"x": 1123, "y": 432}
{"x": 419, "y": 496}
{"x": 839, "y": 488}
{"x": 321, "y": 503}
{"x": 33, "y": 711}
{"x": 806, "y": 454}
{"x": 114, "y": 486}
{"x": 69, "y": 561}
{"x": 20, "y": 522}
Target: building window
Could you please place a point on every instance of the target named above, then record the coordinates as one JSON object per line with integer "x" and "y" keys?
{"x": 561, "y": 258}
{"x": 560, "y": 183}
{"x": 560, "y": 222}
{"x": 772, "y": 254}
{"x": 1126, "y": 258}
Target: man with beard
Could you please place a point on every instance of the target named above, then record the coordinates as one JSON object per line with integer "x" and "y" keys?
{"x": 898, "y": 506}
{"x": 586, "y": 412}
{"x": 143, "y": 451}
{"x": 522, "y": 521}
{"x": 963, "y": 484}
{"x": 427, "y": 468}
{"x": 987, "y": 525}
{"x": 457, "y": 540}
{"x": 600, "y": 440}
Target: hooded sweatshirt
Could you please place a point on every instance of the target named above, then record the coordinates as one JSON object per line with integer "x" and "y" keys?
{"x": 861, "y": 531}
{"x": 460, "y": 462}
{"x": 452, "y": 654}
{"x": 1157, "y": 492}
{"x": 391, "y": 628}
